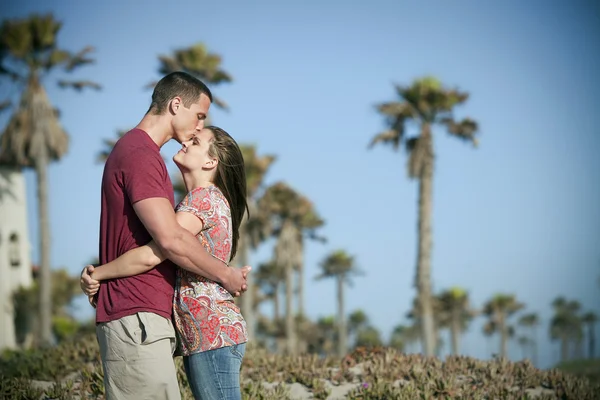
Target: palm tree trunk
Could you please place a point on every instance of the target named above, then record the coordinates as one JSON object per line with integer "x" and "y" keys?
{"x": 45, "y": 280}
{"x": 591, "y": 340}
{"x": 300, "y": 267}
{"x": 276, "y": 302}
{"x": 534, "y": 347}
{"x": 564, "y": 348}
{"x": 503, "y": 336}
{"x": 247, "y": 299}
{"x": 423, "y": 281}
{"x": 341, "y": 320}
{"x": 290, "y": 329}
{"x": 455, "y": 333}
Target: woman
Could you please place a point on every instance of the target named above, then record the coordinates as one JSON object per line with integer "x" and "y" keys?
{"x": 210, "y": 329}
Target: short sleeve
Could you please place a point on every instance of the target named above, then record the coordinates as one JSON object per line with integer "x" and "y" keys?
{"x": 143, "y": 175}
{"x": 201, "y": 203}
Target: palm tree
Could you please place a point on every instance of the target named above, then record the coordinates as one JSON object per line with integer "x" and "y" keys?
{"x": 356, "y": 321}
{"x": 590, "y": 319}
{"x": 524, "y": 343}
{"x": 341, "y": 266}
{"x": 368, "y": 336}
{"x": 499, "y": 309}
{"x": 427, "y": 103}
{"x": 404, "y": 336}
{"x": 566, "y": 325}
{"x": 34, "y": 137}
{"x": 291, "y": 216}
{"x": 199, "y": 62}
{"x": 455, "y": 309}
{"x": 440, "y": 322}
{"x": 269, "y": 277}
{"x": 531, "y": 321}
{"x": 254, "y": 228}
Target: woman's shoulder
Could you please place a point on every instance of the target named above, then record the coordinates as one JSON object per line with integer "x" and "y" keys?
{"x": 210, "y": 194}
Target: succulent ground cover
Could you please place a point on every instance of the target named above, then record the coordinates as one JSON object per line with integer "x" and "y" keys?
{"x": 72, "y": 371}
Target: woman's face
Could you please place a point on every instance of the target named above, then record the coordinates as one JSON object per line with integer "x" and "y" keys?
{"x": 194, "y": 153}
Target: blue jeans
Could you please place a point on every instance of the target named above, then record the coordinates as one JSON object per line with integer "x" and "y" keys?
{"x": 215, "y": 374}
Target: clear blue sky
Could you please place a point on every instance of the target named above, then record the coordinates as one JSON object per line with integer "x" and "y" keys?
{"x": 520, "y": 214}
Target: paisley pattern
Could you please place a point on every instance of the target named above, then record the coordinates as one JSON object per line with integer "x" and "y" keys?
{"x": 206, "y": 318}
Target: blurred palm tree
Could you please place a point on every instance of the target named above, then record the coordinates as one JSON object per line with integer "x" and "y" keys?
{"x": 499, "y": 309}
{"x": 199, "y": 62}
{"x": 290, "y": 217}
{"x": 524, "y": 343}
{"x": 269, "y": 277}
{"x": 403, "y": 336}
{"x": 356, "y": 320}
{"x": 368, "y": 336}
{"x": 34, "y": 137}
{"x": 531, "y": 321}
{"x": 342, "y": 267}
{"x": 566, "y": 325}
{"x": 456, "y": 313}
{"x": 440, "y": 320}
{"x": 590, "y": 319}
{"x": 427, "y": 103}
{"x": 254, "y": 227}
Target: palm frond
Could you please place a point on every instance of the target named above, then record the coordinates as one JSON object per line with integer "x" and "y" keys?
{"x": 465, "y": 129}
{"x": 79, "y": 85}
{"x": 79, "y": 59}
{"x": 387, "y": 137}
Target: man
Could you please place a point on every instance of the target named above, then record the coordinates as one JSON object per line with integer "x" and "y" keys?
{"x": 133, "y": 314}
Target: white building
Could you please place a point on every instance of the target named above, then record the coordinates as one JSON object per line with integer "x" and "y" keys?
{"x": 15, "y": 260}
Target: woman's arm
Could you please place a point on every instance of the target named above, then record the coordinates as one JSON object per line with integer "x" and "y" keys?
{"x": 143, "y": 258}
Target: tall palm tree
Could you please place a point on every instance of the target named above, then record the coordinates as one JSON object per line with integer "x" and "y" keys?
{"x": 291, "y": 216}
{"x": 531, "y": 321}
{"x": 524, "y": 343}
{"x": 427, "y": 103}
{"x": 454, "y": 306}
{"x": 342, "y": 267}
{"x": 270, "y": 277}
{"x": 565, "y": 325}
{"x": 499, "y": 309}
{"x": 440, "y": 321}
{"x": 590, "y": 319}
{"x": 34, "y": 136}
{"x": 254, "y": 228}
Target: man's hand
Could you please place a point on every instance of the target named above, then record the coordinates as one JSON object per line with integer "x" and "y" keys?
{"x": 93, "y": 301}
{"x": 236, "y": 282}
{"x": 89, "y": 286}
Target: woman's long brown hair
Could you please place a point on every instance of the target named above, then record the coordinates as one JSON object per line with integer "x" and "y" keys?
{"x": 230, "y": 178}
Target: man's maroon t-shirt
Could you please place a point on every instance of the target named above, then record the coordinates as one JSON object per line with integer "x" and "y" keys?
{"x": 134, "y": 171}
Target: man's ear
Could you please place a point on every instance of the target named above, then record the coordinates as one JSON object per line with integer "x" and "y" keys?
{"x": 175, "y": 104}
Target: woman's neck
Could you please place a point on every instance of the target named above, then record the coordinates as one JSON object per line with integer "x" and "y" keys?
{"x": 193, "y": 181}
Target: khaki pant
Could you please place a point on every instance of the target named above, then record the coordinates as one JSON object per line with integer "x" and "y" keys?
{"x": 137, "y": 357}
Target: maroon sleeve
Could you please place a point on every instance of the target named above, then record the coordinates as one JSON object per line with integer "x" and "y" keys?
{"x": 143, "y": 175}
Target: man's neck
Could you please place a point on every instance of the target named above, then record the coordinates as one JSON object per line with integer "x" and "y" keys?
{"x": 157, "y": 127}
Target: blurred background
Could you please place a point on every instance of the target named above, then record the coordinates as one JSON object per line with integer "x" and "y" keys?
{"x": 357, "y": 121}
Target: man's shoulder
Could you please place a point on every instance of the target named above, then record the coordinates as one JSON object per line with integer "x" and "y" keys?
{"x": 133, "y": 146}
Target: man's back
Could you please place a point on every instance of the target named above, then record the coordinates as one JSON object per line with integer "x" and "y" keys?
{"x": 134, "y": 171}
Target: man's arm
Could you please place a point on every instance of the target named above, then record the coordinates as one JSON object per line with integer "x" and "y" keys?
{"x": 182, "y": 247}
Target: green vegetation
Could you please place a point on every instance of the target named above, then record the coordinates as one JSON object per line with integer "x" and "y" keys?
{"x": 72, "y": 370}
